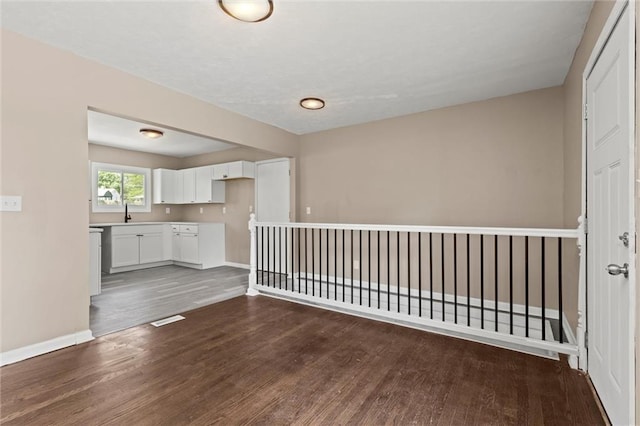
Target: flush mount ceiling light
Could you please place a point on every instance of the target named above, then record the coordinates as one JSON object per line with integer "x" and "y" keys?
{"x": 151, "y": 133}
{"x": 312, "y": 103}
{"x": 247, "y": 10}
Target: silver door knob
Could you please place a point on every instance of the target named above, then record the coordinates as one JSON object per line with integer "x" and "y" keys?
{"x": 614, "y": 269}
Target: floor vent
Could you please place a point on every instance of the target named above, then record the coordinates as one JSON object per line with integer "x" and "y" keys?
{"x": 166, "y": 321}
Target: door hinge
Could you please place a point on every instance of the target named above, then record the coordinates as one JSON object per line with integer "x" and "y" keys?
{"x": 586, "y": 115}
{"x": 585, "y": 225}
{"x": 586, "y": 339}
{"x": 289, "y": 172}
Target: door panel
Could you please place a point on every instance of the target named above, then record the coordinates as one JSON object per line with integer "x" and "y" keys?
{"x": 125, "y": 250}
{"x": 151, "y": 249}
{"x": 608, "y": 213}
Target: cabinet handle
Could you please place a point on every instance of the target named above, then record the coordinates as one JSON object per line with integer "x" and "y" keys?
{"x": 224, "y": 176}
{"x": 139, "y": 235}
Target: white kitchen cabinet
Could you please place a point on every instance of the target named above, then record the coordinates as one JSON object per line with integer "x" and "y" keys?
{"x": 199, "y": 245}
{"x": 188, "y": 185}
{"x": 234, "y": 170}
{"x": 95, "y": 256}
{"x": 125, "y": 250}
{"x": 130, "y": 247}
{"x": 164, "y": 186}
{"x": 178, "y": 184}
{"x": 208, "y": 190}
{"x": 151, "y": 249}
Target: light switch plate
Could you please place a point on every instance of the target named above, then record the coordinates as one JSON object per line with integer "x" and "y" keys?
{"x": 224, "y": 210}
{"x": 308, "y": 210}
{"x": 201, "y": 210}
{"x": 11, "y": 203}
{"x": 167, "y": 210}
{"x": 356, "y": 264}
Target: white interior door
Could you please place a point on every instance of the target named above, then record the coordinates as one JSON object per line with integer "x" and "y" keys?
{"x": 273, "y": 186}
{"x": 609, "y": 197}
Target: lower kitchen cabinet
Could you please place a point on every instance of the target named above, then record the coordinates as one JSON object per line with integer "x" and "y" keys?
{"x": 198, "y": 245}
{"x": 135, "y": 246}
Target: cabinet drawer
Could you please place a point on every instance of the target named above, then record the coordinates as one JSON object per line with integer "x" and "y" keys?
{"x": 175, "y": 228}
{"x": 136, "y": 229}
{"x": 189, "y": 229}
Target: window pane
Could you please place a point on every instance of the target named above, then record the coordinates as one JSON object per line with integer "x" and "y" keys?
{"x": 109, "y": 191}
{"x": 134, "y": 189}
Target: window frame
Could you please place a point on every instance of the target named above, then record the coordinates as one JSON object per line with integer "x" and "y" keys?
{"x": 119, "y": 168}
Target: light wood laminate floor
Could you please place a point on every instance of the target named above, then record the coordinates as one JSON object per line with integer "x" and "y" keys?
{"x": 133, "y": 298}
{"x": 263, "y": 361}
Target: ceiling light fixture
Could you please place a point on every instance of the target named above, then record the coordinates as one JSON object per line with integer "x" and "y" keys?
{"x": 247, "y": 10}
{"x": 312, "y": 103}
{"x": 151, "y": 133}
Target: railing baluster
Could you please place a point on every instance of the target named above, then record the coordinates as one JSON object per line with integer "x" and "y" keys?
{"x": 560, "y": 289}
{"x": 419, "y": 274}
{"x": 261, "y": 254}
{"x": 335, "y": 264}
{"x": 495, "y": 307}
{"x": 455, "y": 278}
{"x": 343, "y": 270}
{"x": 313, "y": 261}
{"x": 379, "y": 280}
{"x": 544, "y": 331}
{"x": 526, "y": 286}
{"x": 280, "y": 258}
{"x": 328, "y": 292}
{"x": 361, "y": 267}
{"x": 306, "y": 261}
{"x": 351, "y": 241}
{"x": 482, "y": 281}
{"x": 468, "y": 285}
{"x": 443, "y": 275}
{"x": 398, "y": 266}
{"x": 388, "y": 271}
{"x": 510, "y": 284}
{"x": 320, "y": 265}
{"x": 431, "y": 275}
{"x": 408, "y": 273}
{"x": 369, "y": 266}
{"x": 286, "y": 258}
{"x": 268, "y": 259}
{"x": 299, "y": 263}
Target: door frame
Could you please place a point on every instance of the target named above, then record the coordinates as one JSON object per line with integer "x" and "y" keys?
{"x": 616, "y": 12}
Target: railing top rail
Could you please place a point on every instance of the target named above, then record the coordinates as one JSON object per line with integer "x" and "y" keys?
{"x": 516, "y": 232}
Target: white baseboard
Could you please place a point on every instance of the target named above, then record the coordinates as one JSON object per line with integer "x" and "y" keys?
{"x": 237, "y": 265}
{"x": 47, "y": 346}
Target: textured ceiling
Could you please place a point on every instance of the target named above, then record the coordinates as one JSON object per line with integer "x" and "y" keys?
{"x": 368, "y": 59}
{"x": 109, "y": 130}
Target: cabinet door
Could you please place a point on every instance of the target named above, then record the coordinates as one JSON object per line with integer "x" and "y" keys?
{"x": 176, "y": 246}
{"x": 178, "y": 187}
{"x": 189, "y": 248}
{"x": 189, "y": 185}
{"x": 204, "y": 176}
{"x": 235, "y": 170}
{"x": 220, "y": 171}
{"x": 164, "y": 186}
{"x": 151, "y": 249}
{"x": 124, "y": 250}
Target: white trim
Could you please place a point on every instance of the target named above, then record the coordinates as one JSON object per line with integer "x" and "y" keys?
{"x": 237, "y": 265}
{"x": 47, "y": 346}
{"x": 609, "y": 26}
{"x": 517, "y": 343}
{"x": 96, "y": 208}
{"x": 516, "y": 232}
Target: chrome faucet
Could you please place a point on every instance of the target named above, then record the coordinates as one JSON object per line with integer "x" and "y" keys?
{"x": 127, "y": 216}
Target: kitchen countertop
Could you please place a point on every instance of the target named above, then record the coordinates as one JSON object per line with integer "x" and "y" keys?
{"x": 98, "y": 225}
{"x": 93, "y": 230}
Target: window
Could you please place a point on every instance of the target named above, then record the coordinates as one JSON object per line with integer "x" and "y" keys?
{"x": 113, "y": 186}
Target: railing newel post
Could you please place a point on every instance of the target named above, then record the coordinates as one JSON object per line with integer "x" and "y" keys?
{"x": 253, "y": 268}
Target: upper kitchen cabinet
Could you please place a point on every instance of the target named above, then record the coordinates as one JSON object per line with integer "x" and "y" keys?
{"x": 234, "y": 170}
{"x": 187, "y": 186}
{"x": 206, "y": 189}
{"x": 164, "y": 186}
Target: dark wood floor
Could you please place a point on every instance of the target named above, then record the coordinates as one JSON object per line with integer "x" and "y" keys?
{"x": 266, "y": 361}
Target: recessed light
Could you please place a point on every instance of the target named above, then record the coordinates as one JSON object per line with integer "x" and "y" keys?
{"x": 312, "y": 103}
{"x": 151, "y": 133}
{"x": 247, "y": 10}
